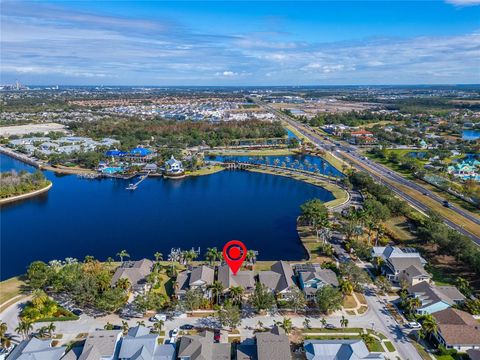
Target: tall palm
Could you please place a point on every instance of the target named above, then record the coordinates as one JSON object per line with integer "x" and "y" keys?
{"x": 42, "y": 332}
{"x": 51, "y": 329}
{"x": 286, "y": 324}
{"x": 212, "y": 255}
{"x": 122, "y": 254}
{"x": 141, "y": 323}
{"x": 125, "y": 327}
{"x": 158, "y": 325}
{"x": 251, "y": 256}
{"x": 236, "y": 293}
{"x": 346, "y": 287}
{"x": 24, "y": 328}
{"x": 343, "y": 321}
{"x": 323, "y": 322}
{"x": 306, "y": 323}
{"x": 430, "y": 325}
{"x": 158, "y": 256}
{"x": 216, "y": 288}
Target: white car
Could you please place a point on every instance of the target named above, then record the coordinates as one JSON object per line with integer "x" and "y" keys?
{"x": 158, "y": 317}
{"x": 173, "y": 335}
{"x": 414, "y": 325}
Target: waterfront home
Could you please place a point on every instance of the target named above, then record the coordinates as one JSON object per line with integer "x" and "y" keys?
{"x": 396, "y": 260}
{"x": 139, "y": 343}
{"x": 457, "y": 330}
{"x": 202, "y": 347}
{"x": 100, "y": 344}
{"x": 311, "y": 281}
{"x": 34, "y": 348}
{"x": 173, "y": 167}
{"x": 279, "y": 279}
{"x": 135, "y": 272}
{"x": 273, "y": 344}
{"x": 338, "y": 350}
{"x": 244, "y": 279}
{"x": 199, "y": 277}
{"x": 435, "y": 298}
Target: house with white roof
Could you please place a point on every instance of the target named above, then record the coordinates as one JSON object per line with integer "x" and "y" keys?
{"x": 339, "y": 350}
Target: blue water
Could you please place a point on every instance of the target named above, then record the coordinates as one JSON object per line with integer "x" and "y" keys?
{"x": 291, "y": 134}
{"x": 471, "y": 135}
{"x": 79, "y": 217}
{"x": 292, "y": 161}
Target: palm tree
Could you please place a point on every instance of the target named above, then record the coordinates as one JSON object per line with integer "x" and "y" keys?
{"x": 157, "y": 326}
{"x": 125, "y": 327}
{"x": 141, "y": 323}
{"x": 306, "y": 323}
{"x": 51, "y": 329}
{"x": 158, "y": 256}
{"x": 251, "y": 256}
{"x": 216, "y": 289}
{"x": 236, "y": 293}
{"x": 412, "y": 304}
{"x": 42, "y": 332}
{"x": 260, "y": 324}
{"x": 24, "y": 328}
{"x": 88, "y": 259}
{"x": 346, "y": 287}
{"x": 343, "y": 321}
{"x": 212, "y": 255}
{"x": 323, "y": 322}
{"x": 430, "y": 325}
{"x": 108, "y": 326}
{"x": 189, "y": 255}
{"x": 123, "y": 254}
{"x": 286, "y": 324}
{"x": 123, "y": 283}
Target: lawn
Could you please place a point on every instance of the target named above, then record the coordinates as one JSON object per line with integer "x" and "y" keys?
{"x": 389, "y": 346}
{"x": 333, "y": 331}
{"x": 9, "y": 289}
{"x": 398, "y": 229}
{"x": 349, "y": 302}
{"x": 205, "y": 171}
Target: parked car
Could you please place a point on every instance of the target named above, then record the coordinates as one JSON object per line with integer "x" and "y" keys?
{"x": 414, "y": 325}
{"x": 158, "y": 317}
{"x": 173, "y": 335}
{"x": 77, "y": 312}
{"x": 216, "y": 336}
{"x": 330, "y": 326}
{"x": 186, "y": 327}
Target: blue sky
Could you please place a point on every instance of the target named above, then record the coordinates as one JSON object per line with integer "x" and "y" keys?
{"x": 240, "y": 43}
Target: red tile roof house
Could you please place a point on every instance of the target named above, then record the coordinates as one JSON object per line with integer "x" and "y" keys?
{"x": 457, "y": 330}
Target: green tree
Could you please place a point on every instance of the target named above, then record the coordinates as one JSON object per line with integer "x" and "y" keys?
{"x": 193, "y": 299}
{"x": 158, "y": 256}
{"x": 343, "y": 322}
{"x": 383, "y": 284}
{"x": 123, "y": 283}
{"x": 158, "y": 325}
{"x": 295, "y": 299}
{"x": 286, "y": 324}
{"x": 429, "y": 325}
{"x": 315, "y": 214}
{"x": 212, "y": 255}
{"x": 230, "y": 315}
{"x": 24, "y": 328}
{"x": 328, "y": 299}
{"x": 236, "y": 293}
{"x": 123, "y": 253}
{"x": 216, "y": 288}
{"x": 262, "y": 298}
{"x": 464, "y": 286}
{"x": 346, "y": 287}
{"x": 306, "y": 323}
{"x": 39, "y": 274}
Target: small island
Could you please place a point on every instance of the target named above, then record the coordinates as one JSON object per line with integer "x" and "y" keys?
{"x": 21, "y": 185}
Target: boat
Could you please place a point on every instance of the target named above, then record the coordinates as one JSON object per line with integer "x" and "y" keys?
{"x": 131, "y": 187}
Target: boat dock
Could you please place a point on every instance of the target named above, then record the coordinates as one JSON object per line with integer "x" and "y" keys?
{"x": 134, "y": 186}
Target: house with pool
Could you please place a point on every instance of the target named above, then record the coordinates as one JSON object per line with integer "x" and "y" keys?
{"x": 174, "y": 168}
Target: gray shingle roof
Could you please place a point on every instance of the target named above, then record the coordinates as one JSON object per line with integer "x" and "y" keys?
{"x": 458, "y": 327}
{"x": 134, "y": 271}
{"x": 244, "y": 279}
{"x": 430, "y": 294}
{"x": 273, "y": 345}
{"x": 102, "y": 343}
{"x": 280, "y": 278}
{"x": 202, "y": 347}
{"x": 327, "y": 276}
{"x": 202, "y": 273}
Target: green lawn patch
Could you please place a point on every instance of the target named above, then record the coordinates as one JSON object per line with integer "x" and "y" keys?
{"x": 330, "y": 331}
{"x": 389, "y": 346}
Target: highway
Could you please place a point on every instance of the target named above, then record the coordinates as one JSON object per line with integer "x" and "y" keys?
{"x": 384, "y": 175}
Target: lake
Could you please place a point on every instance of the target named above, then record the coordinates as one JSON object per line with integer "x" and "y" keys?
{"x": 79, "y": 217}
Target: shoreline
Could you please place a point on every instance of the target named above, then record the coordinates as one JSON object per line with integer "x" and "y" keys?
{"x": 26, "y": 195}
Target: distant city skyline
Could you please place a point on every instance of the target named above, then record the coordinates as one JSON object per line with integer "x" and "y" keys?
{"x": 240, "y": 43}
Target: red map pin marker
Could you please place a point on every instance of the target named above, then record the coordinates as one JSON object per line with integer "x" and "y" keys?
{"x": 234, "y": 253}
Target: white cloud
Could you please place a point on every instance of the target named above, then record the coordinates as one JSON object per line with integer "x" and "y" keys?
{"x": 463, "y": 2}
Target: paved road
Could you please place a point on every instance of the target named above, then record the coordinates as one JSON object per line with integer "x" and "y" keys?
{"x": 379, "y": 172}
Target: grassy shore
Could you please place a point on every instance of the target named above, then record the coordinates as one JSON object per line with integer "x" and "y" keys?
{"x": 259, "y": 152}
{"x": 68, "y": 170}
{"x": 205, "y": 171}
{"x": 340, "y": 195}
{"x": 11, "y": 291}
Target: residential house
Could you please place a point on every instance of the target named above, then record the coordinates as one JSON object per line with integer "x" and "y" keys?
{"x": 199, "y": 277}
{"x": 339, "y": 350}
{"x": 396, "y": 260}
{"x": 273, "y": 344}
{"x": 413, "y": 275}
{"x": 135, "y": 272}
{"x": 101, "y": 344}
{"x": 279, "y": 279}
{"x": 313, "y": 277}
{"x": 140, "y": 344}
{"x": 36, "y": 349}
{"x": 173, "y": 167}
{"x": 457, "y": 330}
{"x": 362, "y": 137}
{"x": 244, "y": 279}
{"x": 435, "y": 298}
{"x": 202, "y": 347}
